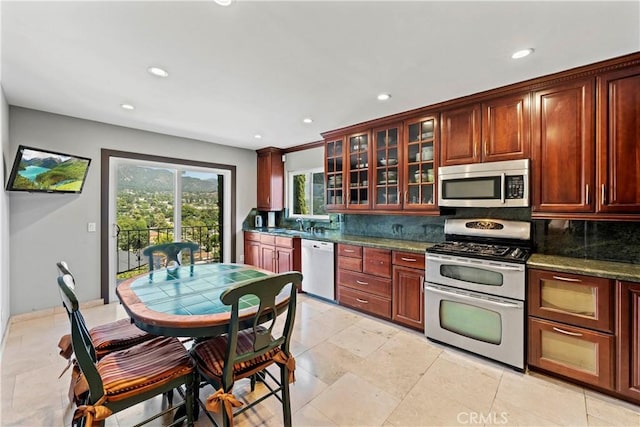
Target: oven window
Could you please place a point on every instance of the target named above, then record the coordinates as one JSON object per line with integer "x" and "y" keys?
{"x": 472, "y": 188}
{"x": 474, "y": 275}
{"x": 471, "y": 321}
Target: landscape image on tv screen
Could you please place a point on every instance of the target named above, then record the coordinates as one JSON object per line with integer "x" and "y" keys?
{"x": 47, "y": 171}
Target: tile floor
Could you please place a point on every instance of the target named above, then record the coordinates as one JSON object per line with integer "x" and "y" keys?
{"x": 352, "y": 370}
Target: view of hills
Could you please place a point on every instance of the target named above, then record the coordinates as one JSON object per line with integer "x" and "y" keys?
{"x": 138, "y": 178}
{"x": 46, "y": 162}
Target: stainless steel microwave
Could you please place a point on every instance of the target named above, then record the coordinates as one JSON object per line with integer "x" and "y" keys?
{"x": 493, "y": 184}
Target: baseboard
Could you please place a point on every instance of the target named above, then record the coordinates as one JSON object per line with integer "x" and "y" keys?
{"x": 51, "y": 311}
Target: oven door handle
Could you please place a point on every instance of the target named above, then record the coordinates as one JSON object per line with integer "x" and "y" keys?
{"x": 470, "y": 298}
{"x": 449, "y": 260}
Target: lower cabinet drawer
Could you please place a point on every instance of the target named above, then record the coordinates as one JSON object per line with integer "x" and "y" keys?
{"x": 365, "y": 283}
{"x": 366, "y": 302}
{"x": 576, "y": 353}
{"x": 347, "y": 263}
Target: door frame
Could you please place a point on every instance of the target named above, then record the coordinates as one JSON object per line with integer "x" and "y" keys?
{"x": 105, "y": 189}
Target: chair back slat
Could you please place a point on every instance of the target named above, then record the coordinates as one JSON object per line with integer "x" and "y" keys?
{"x": 83, "y": 348}
{"x": 171, "y": 252}
{"x": 268, "y": 290}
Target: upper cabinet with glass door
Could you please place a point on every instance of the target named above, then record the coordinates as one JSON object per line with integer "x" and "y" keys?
{"x": 387, "y": 161}
{"x": 421, "y": 164}
{"x": 358, "y": 173}
{"x": 334, "y": 173}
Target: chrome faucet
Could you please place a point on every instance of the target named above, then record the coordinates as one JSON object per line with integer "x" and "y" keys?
{"x": 300, "y": 221}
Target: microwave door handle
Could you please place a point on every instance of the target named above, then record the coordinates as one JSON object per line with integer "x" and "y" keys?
{"x": 503, "y": 190}
{"x": 470, "y": 298}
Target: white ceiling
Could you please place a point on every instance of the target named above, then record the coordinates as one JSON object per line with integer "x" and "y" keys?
{"x": 263, "y": 66}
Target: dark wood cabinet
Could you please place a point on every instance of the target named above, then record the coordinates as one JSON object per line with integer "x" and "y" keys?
{"x": 618, "y": 113}
{"x": 575, "y": 353}
{"x": 288, "y": 254}
{"x": 628, "y": 325}
{"x": 388, "y": 178}
{"x": 494, "y": 130}
{"x": 270, "y": 180}
{"x": 252, "y": 248}
{"x": 563, "y": 153}
{"x": 364, "y": 279}
{"x": 574, "y": 299}
{"x": 571, "y": 326}
{"x": 358, "y": 172}
{"x": 460, "y": 135}
{"x": 408, "y": 289}
{"x": 506, "y": 128}
{"x": 335, "y": 197}
{"x": 272, "y": 253}
{"x": 420, "y": 164}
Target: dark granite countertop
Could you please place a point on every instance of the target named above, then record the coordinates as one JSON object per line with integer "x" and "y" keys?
{"x": 606, "y": 269}
{"x": 588, "y": 267}
{"x": 337, "y": 237}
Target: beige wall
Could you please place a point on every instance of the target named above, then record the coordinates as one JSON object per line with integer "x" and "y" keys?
{"x": 46, "y": 228}
{"x": 5, "y": 310}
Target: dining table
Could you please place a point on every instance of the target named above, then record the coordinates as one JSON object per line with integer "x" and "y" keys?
{"x": 185, "y": 301}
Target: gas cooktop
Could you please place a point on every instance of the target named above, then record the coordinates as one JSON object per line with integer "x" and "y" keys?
{"x": 481, "y": 251}
{"x": 490, "y": 239}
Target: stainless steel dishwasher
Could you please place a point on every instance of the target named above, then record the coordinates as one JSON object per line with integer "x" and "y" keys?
{"x": 317, "y": 268}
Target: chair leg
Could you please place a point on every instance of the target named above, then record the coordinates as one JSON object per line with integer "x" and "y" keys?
{"x": 286, "y": 396}
{"x": 169, "y": 395}
{"x": 190, "y": 398}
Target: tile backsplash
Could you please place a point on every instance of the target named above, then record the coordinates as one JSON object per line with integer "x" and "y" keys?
{"x": 601, "y": 240}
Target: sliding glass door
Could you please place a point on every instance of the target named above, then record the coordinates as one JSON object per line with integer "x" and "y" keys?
{"x": 155, "y": 202}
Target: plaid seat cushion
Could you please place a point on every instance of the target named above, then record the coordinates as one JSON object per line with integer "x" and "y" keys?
{"x": 116, "y": 336}
{"x": 209, "y": 356}
{"x": 143, "y": 367}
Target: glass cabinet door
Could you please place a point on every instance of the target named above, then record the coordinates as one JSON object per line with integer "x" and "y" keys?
{"x": 358, "y": 183}
{"x": 421, "y": 164}
{"x": 334, "y": 153}
{"x": 386, "y": 175}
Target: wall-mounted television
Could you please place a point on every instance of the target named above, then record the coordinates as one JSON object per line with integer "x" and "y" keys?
{"x": 37, "y": 170}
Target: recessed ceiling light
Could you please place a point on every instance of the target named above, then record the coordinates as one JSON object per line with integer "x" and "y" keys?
{"x": 157, "y": 71}
{"x": 308, "y": 120}
{"x": 223, "y": 2}
{"x": 522, "y": 53}
{"x": 383, "y": 97}
{"x": 257, "y": 136}
{"x": 127, "y": 107}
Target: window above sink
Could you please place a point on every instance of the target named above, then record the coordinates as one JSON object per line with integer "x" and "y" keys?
{"x": 305, "y": 194}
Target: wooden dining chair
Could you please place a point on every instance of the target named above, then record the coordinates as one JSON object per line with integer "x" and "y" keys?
{"x": 107, "y": 337}
{"x": 125, "y": 378}
{"x": 248, "y": 349}
{"x": 171, "y": 253}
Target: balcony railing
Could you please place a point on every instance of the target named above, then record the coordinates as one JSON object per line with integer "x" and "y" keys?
{"x": 132, "y": 242}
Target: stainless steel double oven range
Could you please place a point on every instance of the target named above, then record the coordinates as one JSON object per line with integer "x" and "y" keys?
{"x": 475, "y": 288}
